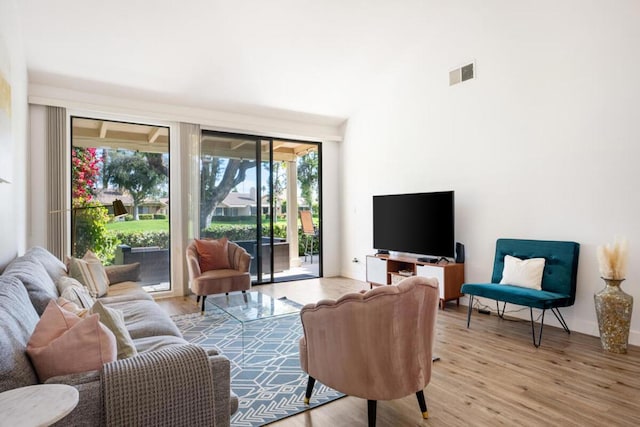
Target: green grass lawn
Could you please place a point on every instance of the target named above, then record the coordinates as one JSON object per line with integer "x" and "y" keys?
{"x": 141, "y": 225}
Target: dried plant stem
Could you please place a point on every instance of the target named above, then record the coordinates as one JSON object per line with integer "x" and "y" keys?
{"x": 612, "y": 259}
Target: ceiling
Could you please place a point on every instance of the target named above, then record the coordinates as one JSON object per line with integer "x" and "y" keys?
{"x": 314, "y": 57}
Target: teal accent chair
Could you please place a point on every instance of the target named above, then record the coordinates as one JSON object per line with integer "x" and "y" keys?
{"x": 558, "y": 280}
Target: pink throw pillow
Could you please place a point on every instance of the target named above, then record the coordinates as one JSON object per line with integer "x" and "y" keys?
{"x": 213, "y": 254}
{"x": 63, "y": 343}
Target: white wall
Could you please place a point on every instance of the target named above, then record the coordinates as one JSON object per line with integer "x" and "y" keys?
{"x": 544, "y": 144}
{"x": 13, "y": 148}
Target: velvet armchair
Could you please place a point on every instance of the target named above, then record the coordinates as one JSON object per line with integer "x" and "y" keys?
{"x": 221, "y": 280}
{"x": 376, "y": 345}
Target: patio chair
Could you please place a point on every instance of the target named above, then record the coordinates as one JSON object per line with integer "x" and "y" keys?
{"x": 310, "y": 232}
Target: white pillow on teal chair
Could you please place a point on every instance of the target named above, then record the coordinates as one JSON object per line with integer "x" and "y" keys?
{"x": 526, "y": 273}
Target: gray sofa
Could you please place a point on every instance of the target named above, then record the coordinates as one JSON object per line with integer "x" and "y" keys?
{"x": 26, "y": 287}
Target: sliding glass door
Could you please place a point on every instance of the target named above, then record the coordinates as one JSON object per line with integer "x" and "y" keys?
{"x": 250, "y": 193}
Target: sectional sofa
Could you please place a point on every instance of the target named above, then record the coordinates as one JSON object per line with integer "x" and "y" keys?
{"x": 28, "y": 284}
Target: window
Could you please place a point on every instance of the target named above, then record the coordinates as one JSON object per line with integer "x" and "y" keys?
{"x": 130, "y": 163}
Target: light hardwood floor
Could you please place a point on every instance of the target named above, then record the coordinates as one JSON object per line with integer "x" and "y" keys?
{"x": 490, "y": 374}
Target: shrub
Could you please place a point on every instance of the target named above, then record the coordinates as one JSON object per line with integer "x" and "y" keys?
{"x": 159, "y": 216}
{"x": 91, "y": 233}
{"x": 142, "y": 239}
{"x": 145, "y": 216}
{"x": 226, "y": 218}
{"x": 248, "y": 232}
{"x": 128, "y": 217}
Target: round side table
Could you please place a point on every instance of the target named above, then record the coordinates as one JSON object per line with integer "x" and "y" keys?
{"x": 36, "y": 405}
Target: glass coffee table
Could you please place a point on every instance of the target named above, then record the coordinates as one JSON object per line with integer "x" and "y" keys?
{"x": 252, "y": 310}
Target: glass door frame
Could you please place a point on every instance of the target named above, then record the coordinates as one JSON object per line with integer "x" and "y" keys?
{"x": 259, "y": 140}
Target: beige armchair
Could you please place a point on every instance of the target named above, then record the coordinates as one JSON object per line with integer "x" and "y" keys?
{"x": 236, "y": 278}
{"x": 375, "y": 345}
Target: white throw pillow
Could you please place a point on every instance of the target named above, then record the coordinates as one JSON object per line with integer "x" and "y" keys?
{"x": 523, "y": 272}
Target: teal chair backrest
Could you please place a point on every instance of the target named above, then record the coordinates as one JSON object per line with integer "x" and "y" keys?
{"x": 561, "y": 262}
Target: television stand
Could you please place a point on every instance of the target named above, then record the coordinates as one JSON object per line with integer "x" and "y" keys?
{"x": 385, "y": 270}
{"x": 429, "y": 259}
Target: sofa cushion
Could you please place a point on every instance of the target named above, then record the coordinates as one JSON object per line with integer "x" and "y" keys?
{"x": 123, "y": 273}
{"x": 157, "y": 342}
{"x": 17, "y": 321}
{"x": 63, "y": 343}
{"x": 125, "y": 291}
{"x": 35, "y": 278}
{"x": 516, "y": 295}
{"x": 55, "y": 268}
{"x": 145, "y": 318}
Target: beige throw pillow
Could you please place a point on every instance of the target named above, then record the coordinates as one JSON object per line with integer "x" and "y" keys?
{"x": 526, "y": 273}
{"x": 90, "y": 272}
{"x": 114, "y": 320}
{"x": 72, "y": 290}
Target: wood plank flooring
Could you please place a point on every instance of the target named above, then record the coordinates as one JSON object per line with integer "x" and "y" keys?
{"x": 489, "y": 374}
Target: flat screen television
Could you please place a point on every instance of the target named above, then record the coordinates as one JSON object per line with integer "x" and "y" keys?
{"x": 419, "y": 223}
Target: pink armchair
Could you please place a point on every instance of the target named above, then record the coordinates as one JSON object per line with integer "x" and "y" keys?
{"x": 375, "y": 345}
{"x": 236, "y": 278}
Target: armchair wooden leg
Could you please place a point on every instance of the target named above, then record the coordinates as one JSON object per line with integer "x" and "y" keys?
{"x": 423, "y": 404}
{"x": 310, "y": 383}
{"x": 372, "y": 405}
{"x": 204, "y": 297}
{"x": 244, "y": 296}
{"x": 197, "y": 299}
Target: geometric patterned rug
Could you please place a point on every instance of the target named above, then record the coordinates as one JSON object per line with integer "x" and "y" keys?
{"x": 269, "y": 381}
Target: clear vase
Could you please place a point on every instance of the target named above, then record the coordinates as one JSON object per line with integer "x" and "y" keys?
{"x": 614, "y": 307}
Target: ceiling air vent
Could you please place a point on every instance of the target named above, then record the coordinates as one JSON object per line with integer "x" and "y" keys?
{"x": 464, "y": 73}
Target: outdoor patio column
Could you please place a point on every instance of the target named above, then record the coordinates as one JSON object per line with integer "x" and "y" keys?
{"x": 292, "y": 213}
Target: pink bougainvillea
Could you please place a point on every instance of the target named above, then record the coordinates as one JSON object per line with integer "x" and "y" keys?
{"x": 85, "y": 167}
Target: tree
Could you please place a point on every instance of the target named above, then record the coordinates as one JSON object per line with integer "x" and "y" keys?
{"x": 279, "y": 174}
{"x": 141, "y": 174}
{"x": 229, "y": 173}
{"x": 308, "y": 176}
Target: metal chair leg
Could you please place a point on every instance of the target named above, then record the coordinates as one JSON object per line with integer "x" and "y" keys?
{"x": 504, "y": 306}
{"x": 423, "y": 404}
{"x": 533, "y": 330}
{"x": 307, "y": 395}
{"x": 558, "y": 315}
{"x": 469, "y": 310}
{"x": 371, "y": 410}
